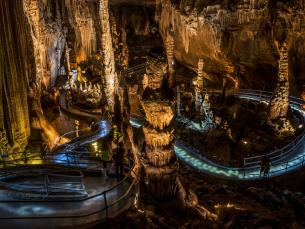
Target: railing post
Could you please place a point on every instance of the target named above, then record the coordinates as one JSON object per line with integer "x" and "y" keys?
{"x": 106, "y": 206}
{"x": 286, "y": 165}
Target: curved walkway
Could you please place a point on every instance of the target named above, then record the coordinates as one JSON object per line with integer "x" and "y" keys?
{"x": 94, "y": 197}
{"x": 290, "y": 158}
{"x": 294, "y": 159}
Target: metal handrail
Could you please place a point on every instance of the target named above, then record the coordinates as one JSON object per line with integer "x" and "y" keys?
{"x": 46, "y": 185}
{"x": 279, "y": 153}
{"x": 287, "y": 165}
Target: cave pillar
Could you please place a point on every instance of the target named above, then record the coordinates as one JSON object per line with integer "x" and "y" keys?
{"x": 109, "y": 73}
{"x": 158, "y": 156}
{"x": 279, "y": 103}
{"x": 170, "y": 48}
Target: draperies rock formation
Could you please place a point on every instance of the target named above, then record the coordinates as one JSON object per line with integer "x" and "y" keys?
{"x": 235, "y": 34}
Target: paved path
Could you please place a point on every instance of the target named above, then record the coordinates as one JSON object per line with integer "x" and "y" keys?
{"x": 294, "y": 160}
{"x": 102, "y": 197}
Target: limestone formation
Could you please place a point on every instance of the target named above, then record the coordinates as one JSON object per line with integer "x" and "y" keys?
{"x": 107, "y": 52}
{"x": 279, "y": 104}
{"x": 159, "y": 164}
{"x": 15, "y": 74}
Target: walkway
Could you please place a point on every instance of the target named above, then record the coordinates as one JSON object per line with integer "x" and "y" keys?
{"x": 294, "y": 159}
{"x": 285, "y": 160}
{"x": 66, "y": 189}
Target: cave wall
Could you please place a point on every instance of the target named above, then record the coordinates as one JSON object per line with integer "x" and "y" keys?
{"x": 226, "y": 34}
{"x": 15, "y": 72}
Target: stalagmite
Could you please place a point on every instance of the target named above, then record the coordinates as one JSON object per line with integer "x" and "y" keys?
{"x": 158, "y": 134}
{"x": 279, "y": 103}
{"x": 199, "y": 84}
{"x": 170, "y": 47}
{"x": 108, "y": 53}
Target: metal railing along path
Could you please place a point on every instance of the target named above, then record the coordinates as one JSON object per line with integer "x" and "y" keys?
{"x": 284, "y": 160}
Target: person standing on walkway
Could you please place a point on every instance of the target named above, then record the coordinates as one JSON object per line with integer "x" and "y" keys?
{"x": 105, "y": 156}
{"x": 265, "y": 166}
{"x": 118, "y": 158}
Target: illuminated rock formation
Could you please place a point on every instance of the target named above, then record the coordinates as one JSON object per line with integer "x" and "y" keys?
{"x": 48, "y": 37}
{"x": 125, "y": 50}
{"x": 170, "y": 47}
{"x": 82, "y": 19}
{"x": 15, "y": 74}
{"x": 107, "y": 52}
{"x": 279, "y": 103}
{"x": 237, "y": 33}
{"x": 159, "y": 160}
{"x": 199, "y": 84}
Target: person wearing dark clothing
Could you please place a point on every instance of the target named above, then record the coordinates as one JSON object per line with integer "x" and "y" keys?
{"x": 265, "y": 166}
{"x": 105, "y": 156}
{"x": 118, "y": 158}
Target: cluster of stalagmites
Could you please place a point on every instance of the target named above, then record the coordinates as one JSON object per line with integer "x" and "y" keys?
{"x": 87, "y": 93}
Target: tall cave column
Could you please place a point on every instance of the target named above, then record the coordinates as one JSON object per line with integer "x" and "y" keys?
{"x": 159, "y": 159}
{"x": 170, "y": 47}
{"x": 279, "y": 103}
{"x": 199, "y": 84}
{"x": 107, "y": 52}
{"x": 14, "y": 76}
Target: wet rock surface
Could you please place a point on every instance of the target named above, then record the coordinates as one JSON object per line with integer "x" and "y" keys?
{"x": 265, "y": 204}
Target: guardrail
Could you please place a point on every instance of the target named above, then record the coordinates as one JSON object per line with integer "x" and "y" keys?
{"x": 278, "y": 163}
{"x": 111, "y": 207}
{"x": 47, "y": 184}
{"x": 279, "y": 153}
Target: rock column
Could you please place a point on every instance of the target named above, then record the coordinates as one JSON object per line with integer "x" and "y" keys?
{"x": 158, "y": 157}
{"x": 279, "y": 103}
{"x": 107, "y": 52}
